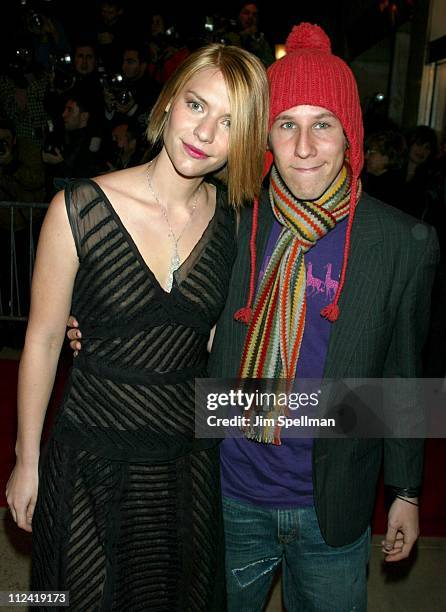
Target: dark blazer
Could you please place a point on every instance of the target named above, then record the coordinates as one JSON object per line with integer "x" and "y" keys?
{"x": 384, "y": 313}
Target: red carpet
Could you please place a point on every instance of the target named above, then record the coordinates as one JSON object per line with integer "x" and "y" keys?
{"x": 433, "y": 508}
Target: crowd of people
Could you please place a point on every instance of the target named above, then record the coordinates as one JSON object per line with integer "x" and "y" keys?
{"x": 82, "y": 105}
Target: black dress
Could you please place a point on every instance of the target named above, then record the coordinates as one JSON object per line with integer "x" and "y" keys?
{"x": 128, "y": 515}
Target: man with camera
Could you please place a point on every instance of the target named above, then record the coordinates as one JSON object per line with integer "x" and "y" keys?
{"x": 131, "y": 94}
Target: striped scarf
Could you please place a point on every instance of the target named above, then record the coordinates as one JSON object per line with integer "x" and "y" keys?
{"x": 277, "y": 325}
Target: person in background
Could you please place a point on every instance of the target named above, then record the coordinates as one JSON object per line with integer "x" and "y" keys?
{"x": 422, "y": 146}
{"x": 251, "y": 38}
{"x": 111, "y": 30}
{"x": 385, "y": 156}
{"x": 127, "y": 148}
{"x": 72, "y": 157}
{"x": 22, "y": 176}
{"x": 22, "y": 92}
{"x": 134, "y": 97}
{"x": 22, "y": 180}
{"x": 166, "y": 47}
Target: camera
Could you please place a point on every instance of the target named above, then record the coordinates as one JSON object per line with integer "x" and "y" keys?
{"x": 116, "y": 87}
{"x": 61, "y": 67}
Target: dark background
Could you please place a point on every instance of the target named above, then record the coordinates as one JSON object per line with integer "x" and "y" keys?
{"x": 353, "y": 25}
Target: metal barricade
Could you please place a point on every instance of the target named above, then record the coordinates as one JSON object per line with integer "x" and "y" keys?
{"x": 19, "y": 231}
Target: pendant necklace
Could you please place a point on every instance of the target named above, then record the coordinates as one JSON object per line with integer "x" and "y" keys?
{"x": 175, "y": 259}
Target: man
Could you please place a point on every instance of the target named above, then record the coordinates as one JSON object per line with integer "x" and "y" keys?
{"x": 303, "y": 504}
{"x": 251, "y": 38}
{"x": 110, "y": 31}
{"x": 84, "y": 80}
{"x": 73, "y": 157}
{"x": 138, "y": 91}
{"x": 126, "y": 152}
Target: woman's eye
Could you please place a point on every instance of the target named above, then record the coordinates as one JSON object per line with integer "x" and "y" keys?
{"x": 227, "y": 123}
{"x": 289, "y": 125}
{"x": 195, "y": 106}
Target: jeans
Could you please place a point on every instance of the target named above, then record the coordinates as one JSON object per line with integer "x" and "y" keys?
{"x": 316, "y": 577}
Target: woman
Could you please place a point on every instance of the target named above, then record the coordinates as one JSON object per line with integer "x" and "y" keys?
{"x": 128, "y": 511}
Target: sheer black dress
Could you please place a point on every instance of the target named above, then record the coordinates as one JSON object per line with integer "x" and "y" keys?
{"x": 128, "y": 515}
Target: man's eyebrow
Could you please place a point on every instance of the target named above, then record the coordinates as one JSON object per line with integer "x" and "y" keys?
{"x": 325, "y": 114}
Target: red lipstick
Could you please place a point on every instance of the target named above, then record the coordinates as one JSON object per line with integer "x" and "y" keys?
{"x": 194, "y": 152}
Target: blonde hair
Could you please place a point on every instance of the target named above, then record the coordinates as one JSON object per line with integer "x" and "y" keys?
{"x": 247, "y": 85}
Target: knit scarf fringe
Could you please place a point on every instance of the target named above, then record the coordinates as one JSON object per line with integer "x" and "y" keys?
{"x": 274, "y": 337}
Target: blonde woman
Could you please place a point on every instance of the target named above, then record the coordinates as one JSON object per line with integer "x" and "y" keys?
{"x": 127, "y": 510}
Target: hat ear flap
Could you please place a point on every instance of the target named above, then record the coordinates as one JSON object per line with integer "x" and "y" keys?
{"x": 267, "y": 163}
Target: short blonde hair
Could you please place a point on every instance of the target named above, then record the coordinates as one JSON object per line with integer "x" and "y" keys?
{"x": 247, "y": 85}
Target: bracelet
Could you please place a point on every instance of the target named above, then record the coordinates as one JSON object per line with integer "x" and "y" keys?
{"x": 405, "y": 492}
{"x": 407, "y": 501}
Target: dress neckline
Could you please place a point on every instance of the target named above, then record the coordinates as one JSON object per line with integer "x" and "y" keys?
{"x": 131, "y": 242}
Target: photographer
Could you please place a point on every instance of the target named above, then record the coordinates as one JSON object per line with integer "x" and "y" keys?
{"x": 22, "y": 92}
{"x": 131, "y": 95}
{"x": 78, "y": 75}
{"x": 47, "y": 34}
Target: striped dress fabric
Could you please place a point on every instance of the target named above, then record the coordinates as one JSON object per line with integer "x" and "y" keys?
{"x": 128, "y": 514}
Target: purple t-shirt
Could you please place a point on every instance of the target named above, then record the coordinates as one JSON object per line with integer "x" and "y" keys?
{"x": 281, "y": 476}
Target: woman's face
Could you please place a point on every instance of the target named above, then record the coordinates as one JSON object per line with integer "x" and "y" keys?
{"x": 196, "y": 136}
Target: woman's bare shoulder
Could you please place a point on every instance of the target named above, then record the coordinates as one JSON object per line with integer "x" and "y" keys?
{"x": 122, "y": 182}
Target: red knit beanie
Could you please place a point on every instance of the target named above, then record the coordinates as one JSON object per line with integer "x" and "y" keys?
{"x": 310, "y": 74}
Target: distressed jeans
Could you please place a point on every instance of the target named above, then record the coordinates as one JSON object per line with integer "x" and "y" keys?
{"x": 316, "y": 577}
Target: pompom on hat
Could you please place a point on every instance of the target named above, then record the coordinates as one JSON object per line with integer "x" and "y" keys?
{"x": 309, "y": 74}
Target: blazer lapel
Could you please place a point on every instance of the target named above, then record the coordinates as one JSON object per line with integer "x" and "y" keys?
{"x": 363, "y": 270}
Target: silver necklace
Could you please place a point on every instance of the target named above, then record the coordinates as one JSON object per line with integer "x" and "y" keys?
{"x": 175, "y": 260}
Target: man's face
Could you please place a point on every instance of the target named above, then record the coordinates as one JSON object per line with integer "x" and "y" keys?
{"x": 419, "y": 152}
{"x": 132, "y": 67}
{"x": 248, "y": 16}
{"x": 376, "y": 162}
{"x": 72, "y": 116}
{"x": 84, "y": 60}
{"x": 110, "y": 13}
{"x": 308, "y": 144}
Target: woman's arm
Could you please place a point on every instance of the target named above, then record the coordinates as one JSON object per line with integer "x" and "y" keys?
{"x": 54, "y": 273}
